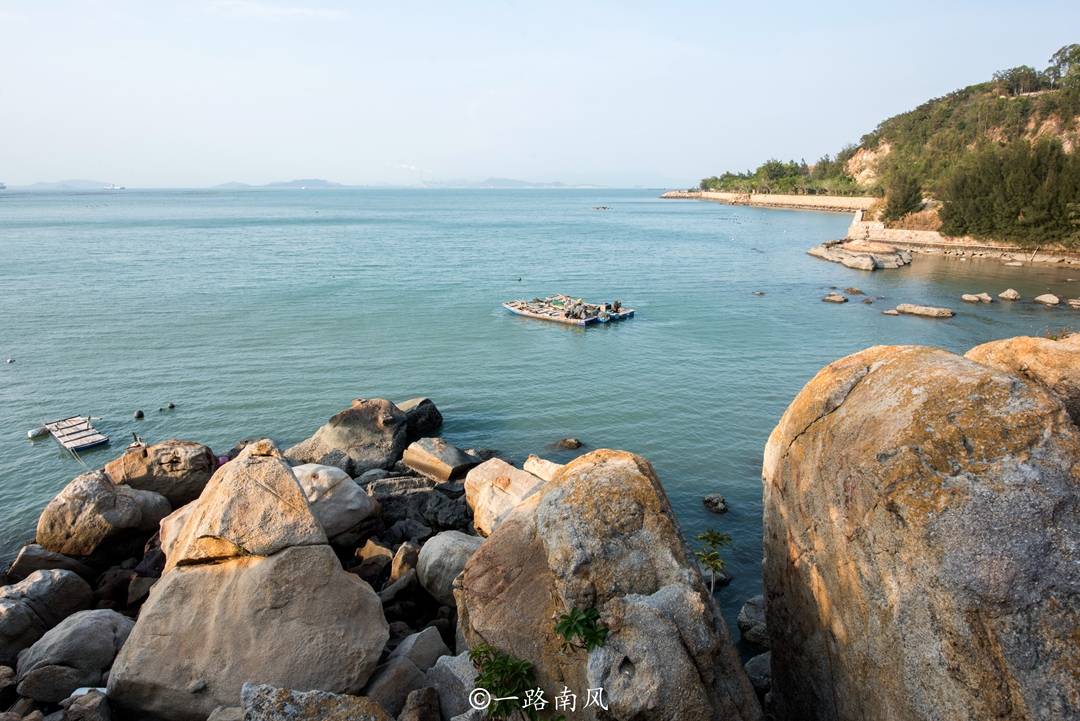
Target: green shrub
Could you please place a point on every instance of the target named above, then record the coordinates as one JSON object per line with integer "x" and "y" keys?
{"x": 581, "y": 629}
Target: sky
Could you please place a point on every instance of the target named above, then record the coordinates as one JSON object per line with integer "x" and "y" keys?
{"x": 627, "y": 93}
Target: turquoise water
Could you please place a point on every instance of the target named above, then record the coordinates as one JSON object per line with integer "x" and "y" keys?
{"x": 264, "y": 312}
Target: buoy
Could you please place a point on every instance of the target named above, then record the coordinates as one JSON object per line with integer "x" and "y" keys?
{"x": 171, "y": 405}
{"x": 37, "y": 432}
{"x": 139, "y": 415}
{"x": 9, "y": 360}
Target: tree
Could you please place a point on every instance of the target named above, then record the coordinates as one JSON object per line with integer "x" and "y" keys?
{"x": 903, "y": 195}
{"x": 1064, "y": 64}
{"x": 709, "y": 554}
{"x": 1019, "y": 80}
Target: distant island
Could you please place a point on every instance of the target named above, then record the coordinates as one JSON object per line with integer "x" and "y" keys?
{"x": 995, "y": 161}
{"x": 299, "y": 184}
{"x": 70, "y": 185}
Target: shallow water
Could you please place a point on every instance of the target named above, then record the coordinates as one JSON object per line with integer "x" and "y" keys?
{"x": 264, "y": 312}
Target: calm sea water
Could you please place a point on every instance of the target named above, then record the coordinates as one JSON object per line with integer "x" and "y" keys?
{"x": 265, "y": 312}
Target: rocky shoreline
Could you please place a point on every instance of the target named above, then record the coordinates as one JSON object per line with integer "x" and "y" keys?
{"x": 375, "y": 571}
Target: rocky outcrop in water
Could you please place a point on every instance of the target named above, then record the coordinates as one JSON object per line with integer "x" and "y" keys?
{"x": 921, "y": 511}
{"x": 372, "y": 433}
{"x": 601, "y": 535}
{"x": 861, "y": 254}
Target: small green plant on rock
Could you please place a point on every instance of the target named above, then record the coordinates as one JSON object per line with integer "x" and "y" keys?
{"x": 709, "y": 554}
{"x": 503, "y": 675}
{"x": 581, "y": 628}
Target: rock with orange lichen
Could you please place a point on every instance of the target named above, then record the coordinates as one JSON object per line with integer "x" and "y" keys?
{"x": 1053, "y": 363}
{"x": 921, "y": 517}
{"x": 601, "y": 535}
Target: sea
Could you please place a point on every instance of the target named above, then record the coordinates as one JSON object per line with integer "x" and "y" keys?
{"x": 264, "y": 312}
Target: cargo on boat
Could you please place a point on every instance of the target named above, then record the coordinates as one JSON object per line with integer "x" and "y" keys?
{"x": 571, "y": 311}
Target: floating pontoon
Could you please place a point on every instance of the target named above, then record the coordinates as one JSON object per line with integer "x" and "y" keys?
{"x": 76, "y": 433}
{"x": 570, "y": 311}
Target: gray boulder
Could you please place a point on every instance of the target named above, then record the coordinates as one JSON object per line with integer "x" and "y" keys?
{"x": 422, "y": 417}
{"x": 340, "y": 505}
{"x": 35, "y": 557}
{"x": 370, "y": 434}
{"x": 294, "y": 619}
{"x": 414, "y": 498}
{"x": 759, "y": 671}
{"x": 453, "y": 677}
{"x": 90, "y": 706}
{"x": 263, "y": 702}
{"x": 92, "y": 509}
{"x": 393, "y": 682}
{"x": 423, "y": 648}
{"x": 751, "y": 622}
{"x": 76, "y": 652}
{"x": 442, "y": 559}
{"x": 32, "y": 606}
{"x": 175, "y": 469}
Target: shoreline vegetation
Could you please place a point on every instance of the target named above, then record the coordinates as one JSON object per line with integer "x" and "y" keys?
{"x": 375, "y": 571}
{"x": 996, "y": 162}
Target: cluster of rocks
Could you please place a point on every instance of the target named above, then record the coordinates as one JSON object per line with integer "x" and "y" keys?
{"x": 862, "y": 254}
{"x": 346, "y": 577}
{"x": 1011, "y": 294}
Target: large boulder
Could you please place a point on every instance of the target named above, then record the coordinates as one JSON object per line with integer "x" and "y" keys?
{"x": 176, "y": 469}
{"x": 414, "y": 498}
{"x": 453, "y": 677}
{"x": 422, "y": 417}
{"x": 602, "y": 535}
{"x": 34, "y": 557}
{"x": 494, "y": 489}
{"x": 91, "y": 510}
{"x": 370, "y": 434}
{"x": 920, "y": 555}
{"x": 1052, "y": 363}
{"x": 437, "y": 459}
{"x": 339, "y": 503}
{"x": 442, "y": 559}
{"x": 294, "y": 620}
{"x": 253, "y": 505}
{"x": 264, "y": 702}
{"x": 32, "y": 606}
{"x": 75, "y": 653}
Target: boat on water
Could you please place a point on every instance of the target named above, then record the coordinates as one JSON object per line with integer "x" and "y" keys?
{"x": 569, "y": 311}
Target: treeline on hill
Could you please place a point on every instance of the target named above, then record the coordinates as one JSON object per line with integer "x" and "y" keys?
{"x": 972, "y": 150}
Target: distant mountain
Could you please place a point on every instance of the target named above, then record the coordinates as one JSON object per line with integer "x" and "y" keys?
{"x": 500, "y": 183}
{"x": 304, "y": 183}
{"x": 69, "y": 185}
{"x": 233, "y": 186}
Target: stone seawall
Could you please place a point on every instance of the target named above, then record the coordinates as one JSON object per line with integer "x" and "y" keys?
{"x": 835, "y": 203}
{"x": 933, "y": 242}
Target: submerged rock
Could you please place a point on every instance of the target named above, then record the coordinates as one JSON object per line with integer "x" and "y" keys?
{"x": 92, "y": 510}
{"x": 835, "y": 298}
{"x": 976, "y": 298}
{"x": 1047, "y": 299}
{"x": 942, "y": 584}
{"x": 1054, "y": 364}
{"x": 715, "y": 503}
{"x": 926, "y": 311}
{"x": 176, "y": 469}
{"x": 75, "y": 653}
{"x": 494, "y": 489}
{"x": 1009, "y": 294}
{"x": 602, "y": 535}
{"x": 372, "y": 433}
{"x": 36, "y": 604}
{"x": 294, "y": 619}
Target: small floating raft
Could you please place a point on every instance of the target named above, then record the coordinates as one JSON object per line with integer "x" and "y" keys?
{"x": 569, "y": 311}
{"x": 76, "y": 433}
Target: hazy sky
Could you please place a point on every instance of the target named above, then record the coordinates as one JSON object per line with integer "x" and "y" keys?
{"x": 623, "y": 93}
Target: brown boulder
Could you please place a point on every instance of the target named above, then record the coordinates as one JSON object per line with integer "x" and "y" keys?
{"x": 1052, "y": 363}
{"x": 176, "y": 469}
{"x": 920, "y": 517}
{"x": 372, "y": 433}
{"x": 601, "y": 535}
{"x": 253, "y": 505}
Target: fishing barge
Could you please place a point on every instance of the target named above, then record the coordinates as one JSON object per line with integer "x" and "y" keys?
{"x": 569, "y": 311}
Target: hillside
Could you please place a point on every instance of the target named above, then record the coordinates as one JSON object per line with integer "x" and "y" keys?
{"x": 992, "y": 160}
